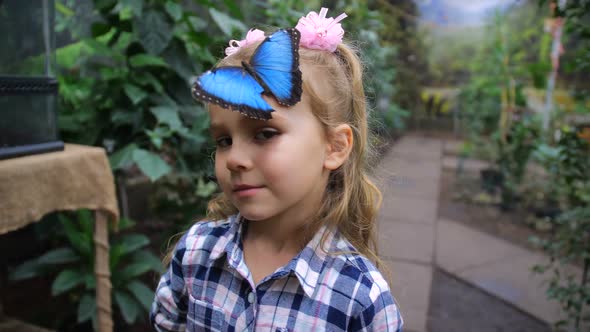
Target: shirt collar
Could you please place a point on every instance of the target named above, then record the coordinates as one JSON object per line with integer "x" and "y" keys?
{"x": 230, "y": 242}
{"x": 310, "y": 262}
{"x": 307, "y": 266}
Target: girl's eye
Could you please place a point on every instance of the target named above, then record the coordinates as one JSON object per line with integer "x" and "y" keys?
{"x": 223, "y": 142}
{"x": 266, "y": 134}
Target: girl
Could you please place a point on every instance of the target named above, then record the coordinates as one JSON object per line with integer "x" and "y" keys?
{"x": 289, "y": 243}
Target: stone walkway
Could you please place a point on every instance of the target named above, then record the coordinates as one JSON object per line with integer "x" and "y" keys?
{"x": 408, "y": 176}
{"x": 413, "y": 241}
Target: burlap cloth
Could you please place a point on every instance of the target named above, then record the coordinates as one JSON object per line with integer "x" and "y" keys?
{"x": 76, "y": 178}
{"x": 32, "y": 186}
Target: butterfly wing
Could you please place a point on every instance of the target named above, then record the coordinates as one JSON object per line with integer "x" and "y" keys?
{"x": 235, "y": 88}
{"x": 276, "y": 65}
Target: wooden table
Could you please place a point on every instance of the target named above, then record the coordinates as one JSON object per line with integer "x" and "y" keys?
{"x": 77, "y": 178}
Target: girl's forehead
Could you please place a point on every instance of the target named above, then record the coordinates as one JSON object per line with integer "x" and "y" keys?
{"x": 282, "y": 115}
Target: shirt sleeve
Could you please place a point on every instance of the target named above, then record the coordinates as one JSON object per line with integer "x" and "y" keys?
{"x": 170, "y": 306}
{"x": 381, "y": 315}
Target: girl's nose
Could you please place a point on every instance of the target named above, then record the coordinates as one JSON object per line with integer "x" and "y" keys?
{"x": 238, "y": 158}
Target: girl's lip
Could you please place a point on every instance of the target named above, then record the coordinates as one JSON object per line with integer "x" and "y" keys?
{"x": 246, "y": 191}
{"x": 242, "y": 187}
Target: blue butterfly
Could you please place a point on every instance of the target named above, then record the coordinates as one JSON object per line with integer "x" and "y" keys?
{"x": 273, "y": 70}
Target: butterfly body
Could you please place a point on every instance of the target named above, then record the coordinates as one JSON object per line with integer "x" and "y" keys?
{"x": 273, "y": 70}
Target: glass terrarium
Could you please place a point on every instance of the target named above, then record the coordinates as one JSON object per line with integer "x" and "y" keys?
{"x": 28, "y": 87}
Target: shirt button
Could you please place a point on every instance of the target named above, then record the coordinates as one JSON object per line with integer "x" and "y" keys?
{"x": 251, "y": 297}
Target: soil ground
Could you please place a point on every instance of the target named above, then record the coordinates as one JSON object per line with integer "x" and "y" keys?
{"x": 508, "y": 225}
{"x": 458, "y": 306}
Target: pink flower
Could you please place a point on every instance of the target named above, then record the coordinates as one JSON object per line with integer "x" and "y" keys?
{"x": 252, "y": 36}
{"x": 319, "y": 32}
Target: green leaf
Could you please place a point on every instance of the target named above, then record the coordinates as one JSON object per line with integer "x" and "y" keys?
{"x": 197, "y": 23}
{"x": 81, "y": 241}
{"x": 132, "y": 270}
{"x": 98, "y": 29}
{"x": 167, "y": 115}
{"x": 157, "y": 136}
{"x": 66, "y": 280}
{"x": 63, "y": 9}
{"x": 86, "y": 308}
{"x": 226, "y": 23}
{"x": 59, "y": 256}
{"x": 146, "y": 78}
{"x": 151, "y": 164}
{"x": 205, "y": 189}
{"x": 129, "y": 307}
{"x": 153, "y": 32}
{"x": 126, "y": 7}
{"x": 27, "y": 270}
{"x": 90, "y": 281}
{"x": 142, "y": 293}
{"x": 148, "y": 258}
{"x": 174, "y": 10}
{"x": 132, "y": 242}
{"x": 125, "y": 117}
{"x": 124, "y": 157}
{"x": 125, "y": 223}
{"x": 86, "y": 221}
{"x": 134, "y": 93}
{"x": 142, "y": 60}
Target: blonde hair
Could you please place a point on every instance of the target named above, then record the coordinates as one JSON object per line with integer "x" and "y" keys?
{"x": 351, "y": 200}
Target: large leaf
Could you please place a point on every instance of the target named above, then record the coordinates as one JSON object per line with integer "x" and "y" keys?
{"x": 145, "y": 78}
{"x": 28, "y": 269}
{"x": 86, "y": 308}
{"x": 133, "y": 6}
{"x": 86, "y": 221}
{"x": 59, "y": 256}
{"x": 129, "y": 307}
{"x": 148, "y": 258}
{"x": 80, "y": 241}
{"x": 167, "y": 115}
{"x": 142, "y": 60}
{"x": 124, "y": 157}
{"x": 131, "y": 271}
{"x": 174, "y": 10}
{"x": 135, "y": 93}
{"x": 226, "y": 23}
{"x": 151, "y": 164}
{"x": 132, "y": 242}
{"x": 142, "y": 293}
{"x": 153, "y": 31}
{"x": 67, "y": 280}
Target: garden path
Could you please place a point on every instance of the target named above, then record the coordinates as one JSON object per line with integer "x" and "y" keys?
{"x": 414, "y": 242}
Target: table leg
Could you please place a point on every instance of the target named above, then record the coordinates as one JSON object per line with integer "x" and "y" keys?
{"x": 102, "y": 272}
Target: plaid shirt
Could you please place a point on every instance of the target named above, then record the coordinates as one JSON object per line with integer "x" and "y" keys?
{"x": 208, "y": 287}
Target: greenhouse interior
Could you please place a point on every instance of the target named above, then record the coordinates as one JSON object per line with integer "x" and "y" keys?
{"x": 452, "y": 160}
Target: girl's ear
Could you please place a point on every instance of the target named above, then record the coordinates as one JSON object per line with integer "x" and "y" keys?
{"x": 339, "y": 146}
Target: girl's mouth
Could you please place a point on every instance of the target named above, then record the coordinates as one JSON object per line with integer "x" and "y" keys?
{"x": 246, "y": 190}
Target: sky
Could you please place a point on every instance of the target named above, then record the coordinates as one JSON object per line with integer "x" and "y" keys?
{"x": 459, "y": 12}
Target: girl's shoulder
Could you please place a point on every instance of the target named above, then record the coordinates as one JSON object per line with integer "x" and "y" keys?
{"x": 205, "y": 234}
{"x": 356, "y": 271}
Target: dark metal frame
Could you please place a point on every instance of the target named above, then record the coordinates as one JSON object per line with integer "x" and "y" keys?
{"x": 19, "y": 85}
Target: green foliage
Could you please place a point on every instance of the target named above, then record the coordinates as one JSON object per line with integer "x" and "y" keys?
{"x": 129, "y": 84}
{"x": 523, "y": 138}
{"x": 73, "y": 269}
{"x": 569, "y": 245}
{"x": 568, "y": 166}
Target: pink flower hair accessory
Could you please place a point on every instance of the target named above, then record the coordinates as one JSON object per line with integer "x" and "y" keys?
{"x": 252, "y": 36}
{"x": 319, "y": 32}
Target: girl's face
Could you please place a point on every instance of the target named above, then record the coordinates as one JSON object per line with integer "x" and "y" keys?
{"x": 271, "y": 169}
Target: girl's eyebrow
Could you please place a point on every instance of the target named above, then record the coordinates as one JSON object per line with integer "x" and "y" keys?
{"x": 215, "y": 127}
